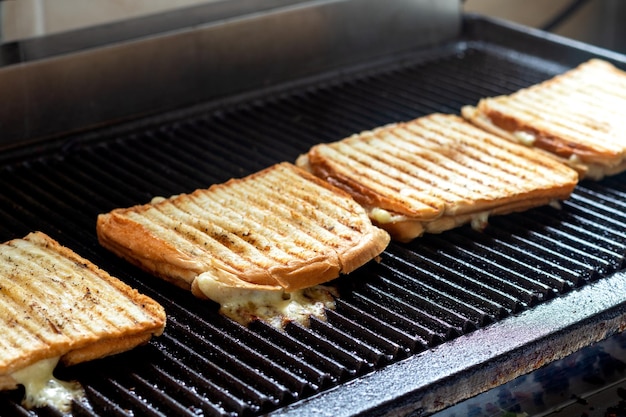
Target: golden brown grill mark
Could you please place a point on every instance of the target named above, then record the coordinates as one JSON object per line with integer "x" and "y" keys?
{"x": 438, "y": 172}
{"x": 285, "y": 225}
{"x": 576, "y": 113}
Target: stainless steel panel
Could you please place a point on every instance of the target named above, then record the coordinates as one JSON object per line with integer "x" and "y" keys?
{"x": 211, "y": 61}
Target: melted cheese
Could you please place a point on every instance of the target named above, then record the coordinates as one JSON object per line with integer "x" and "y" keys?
{"x": 480, "y": 220}
{"x": 275, "y": 307}
{"x": 555, "y": 204}
{"x": 382, "y": 216}
{"x": 575, "y": 159}
{"x": 43, "y": 389}
{"x": 524, "y": 138}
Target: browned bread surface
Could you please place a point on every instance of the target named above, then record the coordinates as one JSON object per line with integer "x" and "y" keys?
{"x": 437, "y": 172}
{"x": 577, "y": 116}
{"x": 278, "y": 228}
{"x": 54, "y": 303}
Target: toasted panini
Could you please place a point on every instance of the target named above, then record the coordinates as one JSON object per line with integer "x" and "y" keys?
{"x": 56, "y": 305}
{"x": 266, "y": 236}
{"x": 577, "y": 117}
{"x": 438, "y": 172}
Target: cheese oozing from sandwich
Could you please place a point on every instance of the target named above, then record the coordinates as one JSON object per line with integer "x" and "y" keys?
{"x": 438, "y": 172}
{"x": 575, "y": 117}
{"x": 43, "y": 389}
{"x": 56, "y": 306}
{"x": 271, "y": 305}
{"x": 255, "y": 245}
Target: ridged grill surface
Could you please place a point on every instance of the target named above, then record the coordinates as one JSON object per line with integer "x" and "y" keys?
{"x": 420, "y": 294}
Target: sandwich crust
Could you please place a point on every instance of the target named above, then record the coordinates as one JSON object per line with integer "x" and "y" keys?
{"x": 438, "y": 172}
{"x": 55, "y": 303}
{"x": 576, "y": 117}
{"x": 278, "y": 229}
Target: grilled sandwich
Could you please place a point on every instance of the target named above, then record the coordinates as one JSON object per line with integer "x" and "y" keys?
{"x": 56, "y": 306}
{"x": 577, "y": 117}
{"x": 259, "y": 246}
{"x": 437, "y": 172}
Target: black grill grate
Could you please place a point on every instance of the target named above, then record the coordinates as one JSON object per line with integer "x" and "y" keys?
{"x": 419, "y": 296}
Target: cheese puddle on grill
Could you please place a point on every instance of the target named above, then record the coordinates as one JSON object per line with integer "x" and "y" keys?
{"x": 43, "y": 389}
{"x": 275, "y": 307}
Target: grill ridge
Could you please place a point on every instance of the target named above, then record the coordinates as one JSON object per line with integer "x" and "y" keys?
{"x": 450, "y": 301}
{"x": 420, "y": 335}
{"x": 438, "y": 262}
{"x": 440, "y": 281}
{"x": 388, "y": 349}
{"x": 542, "y": 279}
{"x": 331, "y": 370}
{"x": 425, "y": 306}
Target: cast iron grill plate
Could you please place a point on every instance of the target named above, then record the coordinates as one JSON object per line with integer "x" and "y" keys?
{"x": 419, "y": 296}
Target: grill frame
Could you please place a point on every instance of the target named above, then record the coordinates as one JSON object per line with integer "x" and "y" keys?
{"x": 336, "y": 377}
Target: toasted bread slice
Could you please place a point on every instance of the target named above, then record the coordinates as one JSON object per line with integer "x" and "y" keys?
{"x": 438, "y": 172}
{"x": 576, "y": 116}
{"x": 56, "y": 304}
{"x": 276, "y": 231}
